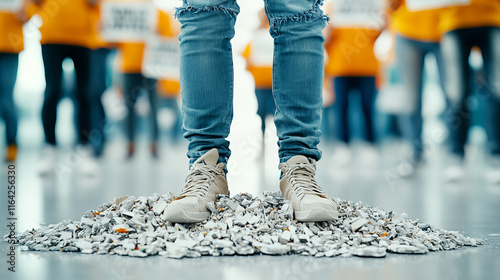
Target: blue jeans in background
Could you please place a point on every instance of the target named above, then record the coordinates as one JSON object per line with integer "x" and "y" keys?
{"x": 133, "y": 85}
{"x": 265, "y": 105}
{"x": 410, "y": 56}
{"x": 53, "y": 56}
{"x": 8, "y": 74}
{"x": 456, "y": 48}
{"x": 207, "y": 76}
{"x": 342, "y": 87}
{"x": 96, "y": 110}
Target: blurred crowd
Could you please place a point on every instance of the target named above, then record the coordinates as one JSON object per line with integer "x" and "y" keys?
{"x": 136, "y": 33}
{"x": 376, "y": 52}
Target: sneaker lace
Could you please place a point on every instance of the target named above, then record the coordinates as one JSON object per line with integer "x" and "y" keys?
{"x": 199, "y": 179}
{"x": 302, "y": 178}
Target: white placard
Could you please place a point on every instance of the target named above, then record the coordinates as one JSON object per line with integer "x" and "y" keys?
{"x": 367, "y": 14}
{"x": 127, "y": 21}
{"x": 262, "y": 49}
{"x": 11, "y": 5}
{"x": 422, "y": 5}
{"x": 161, "y": 58}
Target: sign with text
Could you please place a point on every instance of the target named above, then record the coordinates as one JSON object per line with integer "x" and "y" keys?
{"x": 367, "y": 14}
{"x": 422, "y": 5}
{"x": 127, "y": 21}
{"x": 161, "y": 58}
{"x": 10, "y": 5}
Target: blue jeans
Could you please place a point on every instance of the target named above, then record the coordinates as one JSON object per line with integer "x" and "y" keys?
{"x": 96, "y": 110}
{"x": 410, "y": 62}
{"x": 133, "y": 84}
{"x": 367, "y": 90}
{"x": 206, "y": 73}
{"x": 265, "y": 105}
{"x": 8, "y": 112}
{"x": 53, "y": 56}
{"x": 456, "y": 46}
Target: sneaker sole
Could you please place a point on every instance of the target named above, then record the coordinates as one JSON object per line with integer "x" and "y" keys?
{"x": 317, "y": 214}
{"x": 183, "y": 216}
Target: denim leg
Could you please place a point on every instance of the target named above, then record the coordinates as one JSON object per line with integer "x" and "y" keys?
{"x": 81, "y": 58}
{"x": 98, "y": 87}
{"x": 490, "y": 49}
{"x": 342, "y": 87}
{"x": 132, "y": 86}
{"x": 456, "y": 49}
{"x": 298, "y": 70}
{"x": 53, "y": 56}
{"x": 410, "y": 61}
{"x": 206, "y": 71}
{"x": 8, "y": 75}
{"x": 263, "y": 96}
{"x": 367, "y": 91}
{"x": 150, "y": 86}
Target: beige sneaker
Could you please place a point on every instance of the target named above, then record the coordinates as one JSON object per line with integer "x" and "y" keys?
{"x": 205, "y": 180}
{"x": 310, "y": 203}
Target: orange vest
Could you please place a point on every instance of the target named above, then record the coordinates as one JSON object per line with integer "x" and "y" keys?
{"x": 11, "y": 33}
{"x": 350, "y": 52}
{"x": 420, "y": 25}
{"x": 478, "y": 13}
{"x": 66, "y": 22}
{"x": 96, "y": 40}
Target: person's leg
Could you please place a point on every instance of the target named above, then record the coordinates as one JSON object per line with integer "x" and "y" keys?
{"x": 53, "y": 56}
{"x": 82, "y": 60}
{"x": 206, "y": 71}
{"x": 206, "y": 77}
{"x": 455, "y": 52}
{"x": 298, "y": 70}
{"x": 270, "y": 104}
{"x": 490, "y": 48}
{"x": 150, "y": 87}
{"x": 342, "y": 86}
{"x": 132, "y": 86}
{"x": 97, "y": 88}
{"x": 8, "y": 75}
{"x": 410, "y": 56}
{"x": 262, "y": 96}
{"x": 435, "y": 48}
{"x": 172, "y": 103}
{"x": 367, "y": 89}
{"x": 328, "y": 124}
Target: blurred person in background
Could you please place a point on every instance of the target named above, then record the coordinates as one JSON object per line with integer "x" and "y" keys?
{"x": 11, "y": 43}
{"x": 466, "y": 26}
{"x": 352, "y": 66}
{"x": 387, "y": 102}
{"x": 169, "y": 88}
{"x": 169, "y": 91}
{"x": 67, "y": 32}
{"x": 259, "y": 58}
{"x": 131, "y": 56}
{"x": 100, "y": 81}
{"x": 416, "y": 36}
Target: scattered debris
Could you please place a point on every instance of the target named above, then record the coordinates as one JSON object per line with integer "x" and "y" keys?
{"x": 240, "y": 225}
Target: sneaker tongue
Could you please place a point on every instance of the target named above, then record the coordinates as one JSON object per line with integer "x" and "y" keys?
{"x": 298, "y": 159}
{"x": 209, "y": 158}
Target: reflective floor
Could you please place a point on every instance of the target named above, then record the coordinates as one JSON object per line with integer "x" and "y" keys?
{"x": 471, "y": 206}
